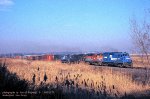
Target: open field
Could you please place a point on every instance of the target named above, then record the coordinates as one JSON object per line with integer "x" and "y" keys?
{"x": 139, "y": 61}
{"x": 102, "y": 81}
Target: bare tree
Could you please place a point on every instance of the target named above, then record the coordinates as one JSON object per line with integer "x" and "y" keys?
{"x": 140, "y": 34}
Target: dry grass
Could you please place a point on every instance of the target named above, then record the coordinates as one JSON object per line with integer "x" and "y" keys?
{"x": 140, "y": 62}
{"x": 80, "y": 75}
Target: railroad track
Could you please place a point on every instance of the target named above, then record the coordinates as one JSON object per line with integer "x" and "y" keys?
{"x": 136, "y": 68}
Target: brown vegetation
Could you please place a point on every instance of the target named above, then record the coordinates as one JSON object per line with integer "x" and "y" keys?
{"x": 77, "y": 76}
{"x": 140, "y": 61}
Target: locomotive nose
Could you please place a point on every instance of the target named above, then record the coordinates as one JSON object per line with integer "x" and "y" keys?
{"x": 128, "y": 59}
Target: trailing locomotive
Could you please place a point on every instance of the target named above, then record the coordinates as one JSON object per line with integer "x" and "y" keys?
{"x": 94, "y": 59}
{"x": 70, "y": 59}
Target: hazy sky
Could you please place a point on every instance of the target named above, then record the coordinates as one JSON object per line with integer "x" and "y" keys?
{"x": 67, "y": 25}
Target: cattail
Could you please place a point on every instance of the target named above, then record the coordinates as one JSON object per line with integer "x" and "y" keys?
{"x": 45, "y": 77}
{"x": 72, "y": 82}
{"x": 85, "y": 84}
{"x": 113, "y": 87}
{"x": 56, "y": 79}
{"x": 33, "y": 78}
{"x": 98, "y": 86}
{"x": 82, "y": 82}
{"x": 91, "y": 85}
{"x": 77, "y": 85}
{"x": 38, "y": 68}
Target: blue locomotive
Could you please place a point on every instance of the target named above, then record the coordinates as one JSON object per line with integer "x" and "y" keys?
{"x": 121, "y": 59}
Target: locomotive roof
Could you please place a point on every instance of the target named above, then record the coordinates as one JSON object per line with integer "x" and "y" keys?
{"x": 115, "y": 52}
